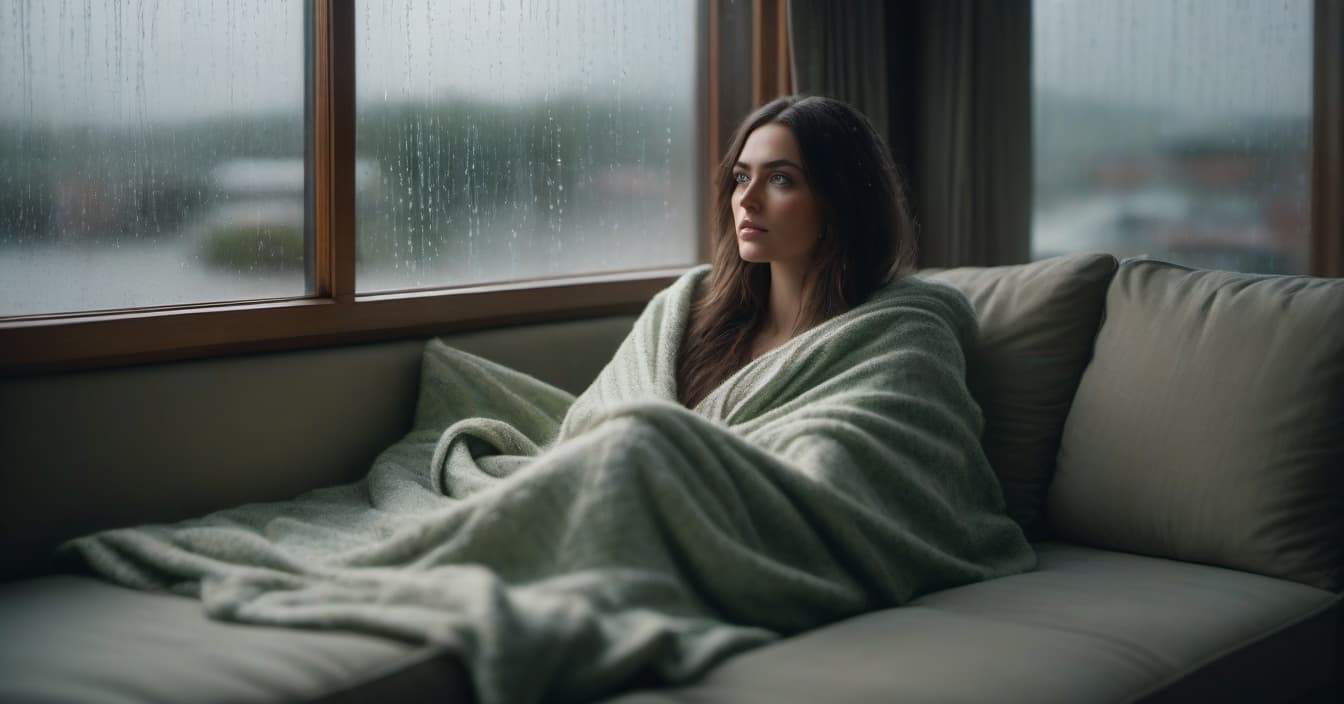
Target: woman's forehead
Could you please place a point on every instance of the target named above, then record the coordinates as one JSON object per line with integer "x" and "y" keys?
{"x": 769, "y": 143}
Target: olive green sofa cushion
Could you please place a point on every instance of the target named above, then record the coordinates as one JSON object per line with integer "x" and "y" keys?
{"x": 1209, "y": 426}
{"x": 1037, "y": 325}
{"x": 1088, "y": 625}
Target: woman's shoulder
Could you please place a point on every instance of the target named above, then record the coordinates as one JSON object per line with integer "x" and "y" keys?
{"x": 672, "y": 306}
{"x": 695, "y": 278}
{"x": 910, "y": 289}
{"x": 685, "y": 287}
{"x": 932, "y": 297}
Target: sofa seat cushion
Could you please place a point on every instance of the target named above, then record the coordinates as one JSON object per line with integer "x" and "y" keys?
{"x": 78, "y": 639}
{"x": 1088, "y": 626}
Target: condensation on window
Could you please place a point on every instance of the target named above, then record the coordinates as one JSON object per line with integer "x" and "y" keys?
{"x": 509, "y": 140}
{"x": 151, "y": 153}
{"x": 1174, "y": 129}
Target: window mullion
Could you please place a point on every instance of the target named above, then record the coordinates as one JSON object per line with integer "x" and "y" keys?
{"x": 333, "y": 135}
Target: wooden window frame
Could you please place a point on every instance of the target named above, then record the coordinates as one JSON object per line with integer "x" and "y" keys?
{"x": 772, "y": 74}
{"x": 334, "y": 313}
{"x": 1327, "y": 136}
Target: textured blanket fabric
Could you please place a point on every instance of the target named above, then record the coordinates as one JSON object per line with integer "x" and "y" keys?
{"x": 568, "y": 547}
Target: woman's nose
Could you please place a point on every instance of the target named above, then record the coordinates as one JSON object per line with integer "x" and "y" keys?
{"x": 748, "y": 199}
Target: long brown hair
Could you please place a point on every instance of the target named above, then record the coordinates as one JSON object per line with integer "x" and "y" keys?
{"x": 869, "y": 237}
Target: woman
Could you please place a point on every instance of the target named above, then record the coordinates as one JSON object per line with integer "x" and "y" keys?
{"x": 808, "y": 189}
{"x": 786, "y": 445}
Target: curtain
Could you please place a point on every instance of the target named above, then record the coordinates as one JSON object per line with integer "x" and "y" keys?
{"x": 973, "y": 147}
{"x": 949, "y": 83}
{"x": 839, "y": 50}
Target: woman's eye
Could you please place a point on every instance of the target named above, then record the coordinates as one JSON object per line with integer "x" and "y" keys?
{"x": 780, "y": 179}
{"x": 740, "y": 177}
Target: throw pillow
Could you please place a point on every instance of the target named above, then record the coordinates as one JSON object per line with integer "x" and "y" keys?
{"x": 1210, "y": 425}
{"x": 1037, "y": 325}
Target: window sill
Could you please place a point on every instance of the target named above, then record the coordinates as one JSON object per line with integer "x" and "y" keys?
{"x": 85, "y": 341}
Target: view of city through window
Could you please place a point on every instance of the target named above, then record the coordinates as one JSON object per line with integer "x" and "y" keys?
{"x": 514, "y": 140}
{"x": 1175, "y": 129}
{"x": 154, "y": 153}
{"x": 150, "y": 153}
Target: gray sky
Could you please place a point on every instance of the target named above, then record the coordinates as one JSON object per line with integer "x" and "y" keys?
{"x": 134, "y": 60}
{"x": 1205, "y": 58}
{"x": 151, "y": 60}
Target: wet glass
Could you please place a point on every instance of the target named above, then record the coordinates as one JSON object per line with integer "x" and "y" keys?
{"x": 151, "y": 153}
{"x": 510, "y": 140}
{"x": 1174, "y": 129}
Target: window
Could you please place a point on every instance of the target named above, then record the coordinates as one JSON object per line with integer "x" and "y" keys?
{"x": 1179, "y": 130}
{"x": 519, "y": 140}
{"x": 184, "y": 179}
{"x": 150, "y": 153}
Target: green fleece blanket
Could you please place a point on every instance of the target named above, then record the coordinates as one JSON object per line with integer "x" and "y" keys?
{"x": 568, "y": 547}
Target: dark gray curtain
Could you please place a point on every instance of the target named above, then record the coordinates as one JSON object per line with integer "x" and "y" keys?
{"x": 973, "y": 148}
{"x": 951, "y": 82}
{"x": 839, "y": 49}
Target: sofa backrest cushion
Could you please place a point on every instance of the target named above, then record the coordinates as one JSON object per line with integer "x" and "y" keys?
{"x": 1037, "y": 325}
{"x": 1209, "y": 426}
{"x": 83, "y": 451}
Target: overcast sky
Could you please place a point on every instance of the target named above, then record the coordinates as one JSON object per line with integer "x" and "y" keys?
{"x": 1202, "y": 57}
{"x": 136, "y": 60}
{"x": 149, "y": 60}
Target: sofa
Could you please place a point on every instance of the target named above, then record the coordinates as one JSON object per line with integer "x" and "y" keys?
{"x": 1172, "y": 441}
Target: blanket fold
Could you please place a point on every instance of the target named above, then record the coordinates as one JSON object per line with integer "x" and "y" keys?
{"x": 565, "y": 546}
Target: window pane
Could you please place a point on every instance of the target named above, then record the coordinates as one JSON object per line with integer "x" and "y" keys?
{"x": 510, "y": 140}
{"x": 1179, "y": 129}
{"x": 151, "y": 153}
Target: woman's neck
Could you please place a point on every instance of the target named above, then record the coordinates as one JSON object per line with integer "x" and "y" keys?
{"x": 782, "y": 317}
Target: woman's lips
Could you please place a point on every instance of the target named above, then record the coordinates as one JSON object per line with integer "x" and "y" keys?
{"x": 752, "y": 231}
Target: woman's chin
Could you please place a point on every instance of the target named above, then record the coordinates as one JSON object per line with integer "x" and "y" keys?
{"x": 751, "y": 253}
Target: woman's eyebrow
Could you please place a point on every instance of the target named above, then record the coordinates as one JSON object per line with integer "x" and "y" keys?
{"x": 773, "y": 164}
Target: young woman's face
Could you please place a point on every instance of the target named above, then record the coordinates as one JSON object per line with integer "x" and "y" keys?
{"x": 776, "y": 213}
